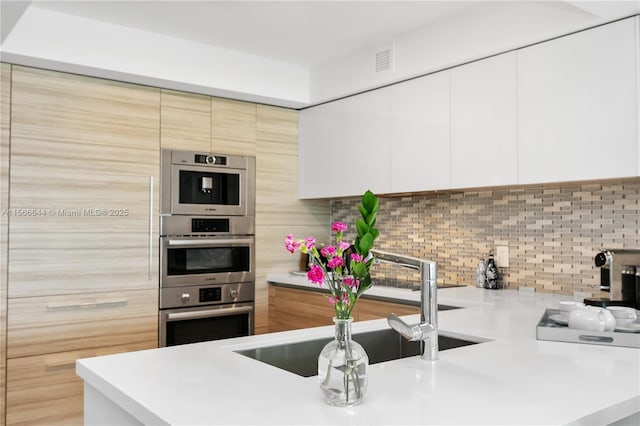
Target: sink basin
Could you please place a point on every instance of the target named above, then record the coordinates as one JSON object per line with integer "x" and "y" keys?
{"x": 301, "y": 358}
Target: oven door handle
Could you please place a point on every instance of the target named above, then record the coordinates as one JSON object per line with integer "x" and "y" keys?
{"x": 209, "y": 313}
{"x": 198, "y": 242}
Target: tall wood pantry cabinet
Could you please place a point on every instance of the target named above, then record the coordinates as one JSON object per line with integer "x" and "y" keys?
{"x": 83, "y": 238}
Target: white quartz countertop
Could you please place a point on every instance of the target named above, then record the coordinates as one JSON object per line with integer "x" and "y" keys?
{"x": 510, "y": 378}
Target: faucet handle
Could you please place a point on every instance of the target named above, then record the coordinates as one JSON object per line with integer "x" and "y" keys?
{"x": 410, "y": 333}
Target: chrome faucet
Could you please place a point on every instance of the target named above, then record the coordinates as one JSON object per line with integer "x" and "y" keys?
{"x": 427, "y": 330}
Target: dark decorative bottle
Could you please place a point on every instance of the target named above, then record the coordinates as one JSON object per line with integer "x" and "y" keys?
{"x": 491, "y": 273}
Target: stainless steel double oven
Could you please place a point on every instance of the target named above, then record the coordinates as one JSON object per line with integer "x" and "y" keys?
{"x": 207, "y": 247}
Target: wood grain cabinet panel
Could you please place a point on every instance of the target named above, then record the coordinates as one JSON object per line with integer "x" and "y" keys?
{"x": 82, "y": 270}
{"x": 233, "y": 127}
{"x": 291, "y": 309}
{"x": 369, "y": 309}
{"x": 45, "y": 389}
{"x": 5, "y": 108}
{"x": 84, "y": 184}
{"x": 185, "y": 121}
{"x": 47, "y": 324}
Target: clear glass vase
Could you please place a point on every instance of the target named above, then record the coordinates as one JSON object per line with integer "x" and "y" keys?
{"x": 342, "y": 368}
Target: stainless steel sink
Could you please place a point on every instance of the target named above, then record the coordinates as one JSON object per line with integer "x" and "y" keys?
{"x": 301, "y": 358}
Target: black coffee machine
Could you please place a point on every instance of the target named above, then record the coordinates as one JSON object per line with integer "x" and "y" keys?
{"x": 620, "y": 276}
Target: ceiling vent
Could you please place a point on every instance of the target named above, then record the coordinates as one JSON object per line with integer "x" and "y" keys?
{"x": 384, "y": 60}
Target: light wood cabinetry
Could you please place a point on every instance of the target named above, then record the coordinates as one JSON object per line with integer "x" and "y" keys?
{"x": 278, "y": 210}
{"x": 233, "y": 127}
{"x": 484, "y": 123}
{"x": 82, "y": 272}
{"x": 68, "y": 322}
{"x": 185, "y": 121}
{"x": 80, "y": 281}
{"x": 578, "y": 106}
{"x": 203, "y": 123}
{"x": 369, "y": 309}
{"x": 291, "y": 308}
{"x": 5, "y": 110}
{"x": 420, "y": 134}
{"x": 44, "y": 389}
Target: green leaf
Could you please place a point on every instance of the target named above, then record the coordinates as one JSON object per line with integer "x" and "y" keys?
{"x": 375, "y": 233}
{"x": 358, "y": 269}
{"x": 366, "y": 243}
{"x": 369, "y": 201}
{"x": 361, "y": 227}
{"x": 363, "y": 211}
{"x": 370, "y": 219}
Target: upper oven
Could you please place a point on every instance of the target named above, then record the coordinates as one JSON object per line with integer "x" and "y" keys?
{"x": 206, "y": 251}
{"x": 199, "y": 183}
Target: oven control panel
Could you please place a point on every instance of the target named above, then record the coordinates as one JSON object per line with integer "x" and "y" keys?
{"x": 212, "y": 294}
{"x": 204, "y": 225}
{"x": 182, "y": 297}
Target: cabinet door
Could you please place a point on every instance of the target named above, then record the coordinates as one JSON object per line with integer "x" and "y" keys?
{"x": 345, "y": 146}
{"x": 420, "y": 134}
{"x": 185, "y": 121}
{"x": 45, "y": 389}
{"x": 483, "y": 123}
{"x": 84, "y": 185}
{"x": 577, "y": 106}
{"x": 233, "y": 127}
{"x": 291, "y": 309}
{"x": 369, "y": 309}
{"x": 46, "y": 324}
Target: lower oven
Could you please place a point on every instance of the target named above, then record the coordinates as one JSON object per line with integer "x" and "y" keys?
{"x": 200, "y": 313}
{"x": 207, "y": 279}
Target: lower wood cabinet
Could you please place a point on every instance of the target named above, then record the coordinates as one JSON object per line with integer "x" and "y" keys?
{"x": 51, "y": 324}
{"x": 369, "y": 309}
{"x": 45, "y": 389}
{"x": 291, "y": 309}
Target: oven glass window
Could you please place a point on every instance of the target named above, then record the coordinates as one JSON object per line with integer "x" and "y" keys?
{"x": 209, "y": 188}
{"x": 208, "y": 260}
{"x": 205, "y": 329}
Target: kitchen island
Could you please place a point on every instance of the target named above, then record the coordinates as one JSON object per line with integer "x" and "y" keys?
{"x": 509, "y": 378}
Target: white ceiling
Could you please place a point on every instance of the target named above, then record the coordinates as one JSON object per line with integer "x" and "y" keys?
{"x": 290, "y": 53}
{"x": 301, "y": 32}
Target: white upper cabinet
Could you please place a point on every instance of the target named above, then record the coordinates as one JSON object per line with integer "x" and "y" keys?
{"x": 562, "y": 110}
{"x": 577, "y": 106}
{"x": 484, "y": 123}
{"x": 345, "y": 146}
{"x": 420, "y": 134}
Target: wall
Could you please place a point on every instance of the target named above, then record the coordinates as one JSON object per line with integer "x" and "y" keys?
{"x": 552, "y": 231}
{"x": 120, "y": 53}
{"x": 471, "y": 33}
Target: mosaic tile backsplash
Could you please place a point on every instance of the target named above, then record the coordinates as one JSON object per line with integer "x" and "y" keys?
{"x": 552, "y": 232}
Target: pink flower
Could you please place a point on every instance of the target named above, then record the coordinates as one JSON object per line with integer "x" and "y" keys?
{"x": 310, "y": 242}
{"x": 356, "y": 257}
{"x": 291, "y": 244}
{"x": 351, "y": 282}
{"x": 328, "y": 251}
{"x": 332, "y": 300}
{"x": 335, "y": 262}
{"x": 315, "y": 274}
{"x": 343, "y": 246}
{"x": 338, "y": 226}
